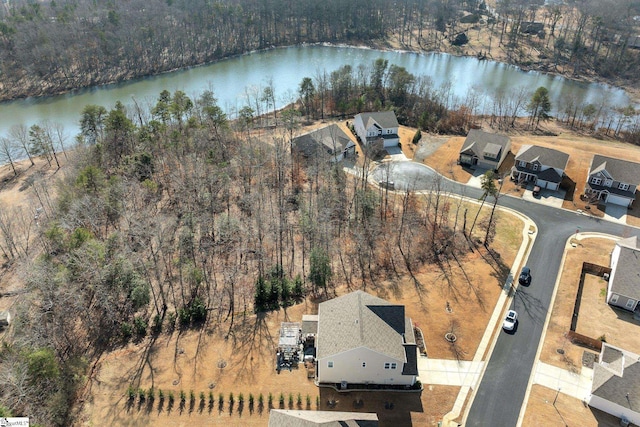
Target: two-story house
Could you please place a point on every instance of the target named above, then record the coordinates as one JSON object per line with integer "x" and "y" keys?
{"x": 364, "y": 339}
{"x": 613, "y": 180}
{"x": 543, "y": 166}
{"x": 623, "y": 289}
{"x": 484, "y": 150}
{"x": 381, "y": 126}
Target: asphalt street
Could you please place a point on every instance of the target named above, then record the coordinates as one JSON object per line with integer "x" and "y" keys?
{"x": 501, "y": 392}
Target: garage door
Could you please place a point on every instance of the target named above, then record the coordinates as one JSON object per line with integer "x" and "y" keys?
{"x": 617, "y": 200}
{"x": 546, "y": 184}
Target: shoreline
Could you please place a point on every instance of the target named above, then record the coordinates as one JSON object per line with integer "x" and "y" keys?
{"x": 387, "y": 45}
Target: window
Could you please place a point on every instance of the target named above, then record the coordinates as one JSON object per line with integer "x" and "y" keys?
{"x": 535, "y": 166}
{"x": 364, "y": 364}
{"x": 329, "y": 364}
{"x": 623, "y": 186}
{"x": 393, "y": 365}
{"x": 608, "y": 182}
{"x": 595, "y": 180}
{"x": 631, "y": 303}
{"x": 614, "y": 299}
{"x": 387, "y": 365}
{"x": 522, "y": 163}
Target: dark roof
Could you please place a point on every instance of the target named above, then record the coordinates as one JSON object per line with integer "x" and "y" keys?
{"x": 549, "y": 175}
{"x": 383, "y": 119}
{"x": 616, "y": 377}
{"x": 626, "y": 277}
{"x": 477, "y": 141}
{"x": 299, "y": 418}
{"x": 619, "y": 170}
{"x": 544, "y": 156}
{"x": 309, "y": 324}
{"x": 330, "y": 137}
{"x": 359, "y": 319}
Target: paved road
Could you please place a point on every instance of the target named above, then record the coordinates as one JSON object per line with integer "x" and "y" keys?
{"x": 501, "y": 392}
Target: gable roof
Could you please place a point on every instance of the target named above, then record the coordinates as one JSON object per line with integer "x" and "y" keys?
{"x": 358, "y": 320}
{"x": 330, "y": 138}
{"x": 625, "y": 279}
{"x": 382, "y": 119}
{"x": 545, "y": 156}
{"x": 619, "y": 170}
{"x": 299, "y": 418}
{"x": 478, "y": 142}
{"x": 616, "y": 377}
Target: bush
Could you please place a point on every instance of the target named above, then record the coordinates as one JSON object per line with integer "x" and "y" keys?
{"x": 183, "y": 396}
{"x": 461, "y": 39}
{"x": 140, "y": 326}
{"x": 417, "y": 136}
{"x": 160, "y": 394}
{"x": 157, "y": 324}
{"x": 171, "y": 398}
{"x": 126, "y": 330}
{"x": 141, "y": 394}
{"x": 131, "y": 393}
{"x": 151, "y": 394}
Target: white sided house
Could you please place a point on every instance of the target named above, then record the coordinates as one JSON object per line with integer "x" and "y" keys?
{"x": 612, "y": 180}
{"x": 616, "y": 384}
{"x": 381, "y": 126}
{"x": 623, "y": 289}
{"x": 364, "y": 339}
{"x": 540, "y": 165}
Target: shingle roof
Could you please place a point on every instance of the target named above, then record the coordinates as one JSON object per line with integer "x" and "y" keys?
{"x": 385, "y": 119}
{"x": 362, "y": 320}
{"x": 298, "y": 418}
{"x": 330, "y": 137}
{"x": 626, "y": 278}
{"x": 544, "y": 156}
{"x": 617, "y": 377}
{"x": 477, "y": 141}
{"x": 549, "y": 175}
{"x": 620, "y": 170}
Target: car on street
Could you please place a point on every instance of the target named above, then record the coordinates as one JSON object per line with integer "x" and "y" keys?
{"x": 510, "y": 321}
{"x": 525, "y": 276}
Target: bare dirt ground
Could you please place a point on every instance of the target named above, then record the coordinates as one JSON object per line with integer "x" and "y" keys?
{"x": 191, "y": 360}
{"x": 547, "y": 407}
{"x": 580, "y": 149}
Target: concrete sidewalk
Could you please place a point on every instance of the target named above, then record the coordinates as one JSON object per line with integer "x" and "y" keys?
{"x": 449, "y": 372}
{"x": 576, "y": 385}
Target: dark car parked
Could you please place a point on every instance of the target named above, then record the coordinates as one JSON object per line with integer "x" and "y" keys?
{"x": 525, "y": 276}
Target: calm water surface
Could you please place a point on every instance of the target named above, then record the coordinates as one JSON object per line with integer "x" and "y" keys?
{"x": 234, "y": 80}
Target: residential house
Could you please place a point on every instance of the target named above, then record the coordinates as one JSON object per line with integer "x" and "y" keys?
{"x": 330, "y": 143}
{"x": 623, "y": 289}
{"x": 377, "y": 127}
{"x": 484, "y": 150}
{"x": 364, "y": 339}
{"x": 299, "y": 418}
{"x": 616, "y": 384}
{"x": 613, "y": 180}
{"x": 543, "y": 166}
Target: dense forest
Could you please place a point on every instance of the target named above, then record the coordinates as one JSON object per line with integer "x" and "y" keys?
{"x": 54, "y": 46}
{"x": 176, "y": 217}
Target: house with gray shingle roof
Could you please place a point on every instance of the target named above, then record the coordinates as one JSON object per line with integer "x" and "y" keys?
{"x": 299, "y": 418}
{"x": 328, "y": 143}
{"x": 616, "y": 384}
{"x": 377, "y": 127}
{"x": 613, "y": 180}
{"x": 364, "y": 339}
{"x": 543, "y": 166}
{"x": 484, "y": 150}
{"x": 623, "y": 289}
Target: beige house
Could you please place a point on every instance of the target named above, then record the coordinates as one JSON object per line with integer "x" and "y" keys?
{"x": 484, "y": 150}
{"x": 623, "y": 289}
{"x": 374, "y": 127}
{"x": 364, "y": 339}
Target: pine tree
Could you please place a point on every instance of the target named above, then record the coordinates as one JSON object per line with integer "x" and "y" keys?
{"x": 261, "y": 297}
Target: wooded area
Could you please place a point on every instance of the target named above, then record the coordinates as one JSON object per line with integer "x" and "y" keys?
{"x": 56, "y": 46}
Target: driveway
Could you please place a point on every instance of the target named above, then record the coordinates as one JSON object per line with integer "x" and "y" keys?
{"x": 616, "y": 213}
{"x": 503, "y": 386}
{"x": 476, "y": 180}
{"x": 546, "y": 197}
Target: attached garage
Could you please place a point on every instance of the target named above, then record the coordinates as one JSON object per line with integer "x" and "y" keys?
{"x": 617, "y": 200}
{"x": 548, "y": 185}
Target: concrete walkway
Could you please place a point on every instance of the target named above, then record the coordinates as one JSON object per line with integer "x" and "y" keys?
{"x": 573, "y": 384}
{"x": 449, "y": 372}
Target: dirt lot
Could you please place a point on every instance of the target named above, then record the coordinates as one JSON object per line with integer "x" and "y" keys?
{"x": 549, "y": 408}
{"x": 580, "y": 149}
{"x": 191, "y": 360}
